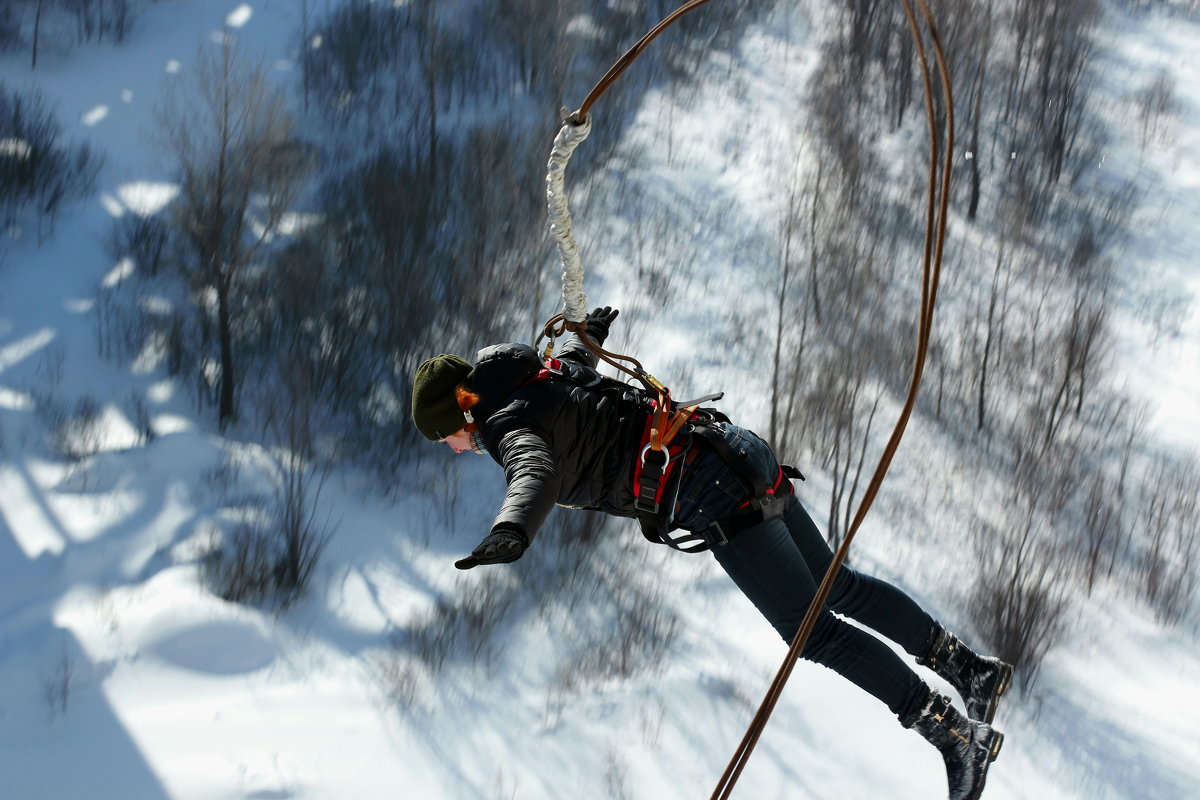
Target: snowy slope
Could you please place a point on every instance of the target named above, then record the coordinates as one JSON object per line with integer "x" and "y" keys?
{"x": 121, "y": 677}
{"x": 1162, "y": 260}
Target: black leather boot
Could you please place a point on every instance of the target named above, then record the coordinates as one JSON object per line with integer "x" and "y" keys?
{"x": 980, "y": 681}
{"x": 968, "y": 747}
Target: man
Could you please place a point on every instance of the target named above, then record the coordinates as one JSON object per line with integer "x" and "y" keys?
{"x": 565, "y": 435}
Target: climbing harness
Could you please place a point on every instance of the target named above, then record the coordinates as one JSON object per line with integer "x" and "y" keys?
{"x": 659, "y": 470}
{"x": 669, "y": 418}
{"x": 659, "y": 474}
{"x": 659, "y": 491}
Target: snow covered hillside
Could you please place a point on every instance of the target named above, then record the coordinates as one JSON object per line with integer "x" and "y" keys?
{"x": 122, "y": 677}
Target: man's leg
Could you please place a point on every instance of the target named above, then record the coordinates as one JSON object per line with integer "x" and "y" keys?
{"x": 766, "y": 565}
{"x": 877, "y": 604}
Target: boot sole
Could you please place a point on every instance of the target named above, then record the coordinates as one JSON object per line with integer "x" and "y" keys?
{"x": 994, "y": 749}
{"x": 1002, "y": 684}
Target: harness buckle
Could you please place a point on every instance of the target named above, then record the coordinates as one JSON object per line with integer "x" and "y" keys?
{"x": 646, "y": 450}
{"x": 721, "y": 538}
{"x": 647, "y": 499}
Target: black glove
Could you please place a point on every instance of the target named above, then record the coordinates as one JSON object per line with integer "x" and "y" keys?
{"x": 501, "y": 546}
{"x": 598, "y": 323}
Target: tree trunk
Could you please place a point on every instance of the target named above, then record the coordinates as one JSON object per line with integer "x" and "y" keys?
{"x": 981, "y": 420}
{"x": 37, "y": 29}
{"x": 813, "y": 282}
{"x": 780, "y": 326}
{"x": 976, "y": 180}
{"x": 225, "y": 412}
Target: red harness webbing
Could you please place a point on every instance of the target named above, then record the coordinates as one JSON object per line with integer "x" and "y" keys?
{"x": 649, "y": 487}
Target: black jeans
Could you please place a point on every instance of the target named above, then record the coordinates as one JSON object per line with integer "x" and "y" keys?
{"x": 778, "y": 565}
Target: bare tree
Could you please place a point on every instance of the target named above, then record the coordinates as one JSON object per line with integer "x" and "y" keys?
{"x": 39, "y": 171}
{"x": 1020, "y": 599}
{"x": 95, "y": 19}
{"x": 993, "y": 328}
{"x": 792, "y": 221}
{"x": 240, "y": 170}
{"x": 846, "y": 433}
{"x": 306, "y": 43}
{"x": 1157, "y": 107}
{"x": 1170, "y": 520}
{"x": 980, "y": 35}
{"x": 1103, "y": 530}
{"x": 1046, "y": 98}
{"x": 37, "y": 33}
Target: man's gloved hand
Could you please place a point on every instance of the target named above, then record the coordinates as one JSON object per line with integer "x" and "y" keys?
{"x": 501, "y": 546}
{"x": 598, "y": 323}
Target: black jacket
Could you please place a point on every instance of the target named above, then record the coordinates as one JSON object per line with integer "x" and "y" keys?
{"x": 557, "y": 441}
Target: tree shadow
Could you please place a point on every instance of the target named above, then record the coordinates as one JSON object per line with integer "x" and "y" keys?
{"x": 59, "y": 735}
{"x": 1107, "y": 756}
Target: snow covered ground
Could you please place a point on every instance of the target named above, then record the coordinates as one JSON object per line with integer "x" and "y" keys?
{"x": 1162, "y": 255}
{"x": 122, "y": 678}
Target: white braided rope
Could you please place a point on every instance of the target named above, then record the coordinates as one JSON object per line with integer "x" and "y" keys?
{"x": 574, "y": 300}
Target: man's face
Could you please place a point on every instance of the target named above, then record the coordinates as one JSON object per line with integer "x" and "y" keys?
{"x": 459, "y": 442}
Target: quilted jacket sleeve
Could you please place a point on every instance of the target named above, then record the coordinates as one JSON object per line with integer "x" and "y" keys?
{"x": 533, "y": 479}
{"x": 574, "y": 350}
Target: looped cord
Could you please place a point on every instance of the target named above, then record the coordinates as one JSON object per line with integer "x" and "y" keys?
{"x": 569, "y": 137}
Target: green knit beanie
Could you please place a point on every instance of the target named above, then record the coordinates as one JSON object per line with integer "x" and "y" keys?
{"x": 434, "y": 404}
